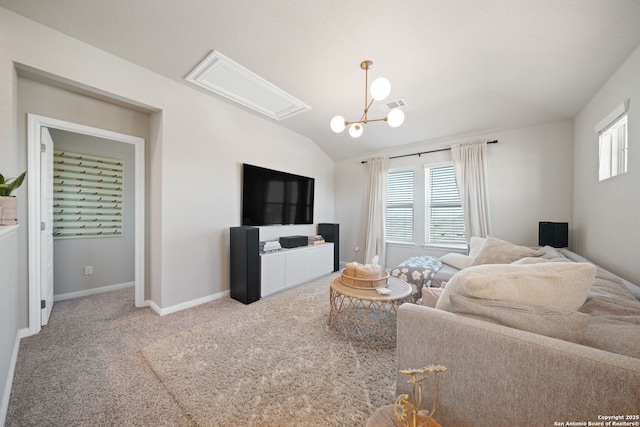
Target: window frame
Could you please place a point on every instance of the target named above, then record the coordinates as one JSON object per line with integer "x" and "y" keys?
{"x": 612, "y": 153}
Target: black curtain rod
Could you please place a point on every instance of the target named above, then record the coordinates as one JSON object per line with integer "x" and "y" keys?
{"x": 426, "y": 152}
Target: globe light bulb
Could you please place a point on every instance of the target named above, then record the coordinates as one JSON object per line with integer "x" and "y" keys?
{"x": 337, "y": 124}
{"x": 395, "y": 117}
{"x": 380, "y": 88}
{"x": 355, "y": 130}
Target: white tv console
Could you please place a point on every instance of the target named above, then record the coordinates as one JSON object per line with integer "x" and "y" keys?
{"x": 290, "y": 267}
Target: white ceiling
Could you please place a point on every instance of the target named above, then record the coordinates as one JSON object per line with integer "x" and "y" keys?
{"x": 462, "y": 66}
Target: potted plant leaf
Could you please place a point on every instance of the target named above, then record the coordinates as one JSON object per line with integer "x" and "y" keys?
{"x": 9, "y": 203}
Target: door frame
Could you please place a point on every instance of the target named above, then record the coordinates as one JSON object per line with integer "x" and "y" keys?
{"x": 34, "y": 125}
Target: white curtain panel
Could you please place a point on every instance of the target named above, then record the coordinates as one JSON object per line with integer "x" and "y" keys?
{"x": 376, "y": 207}
{"x": 470, "y": 165}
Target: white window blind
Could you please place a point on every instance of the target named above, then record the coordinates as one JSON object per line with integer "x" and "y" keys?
{"x": 444, "y": 222}
{"x": 399, "y": 221}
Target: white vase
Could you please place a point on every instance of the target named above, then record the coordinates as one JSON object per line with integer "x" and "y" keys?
{"x": 8, "y": 210}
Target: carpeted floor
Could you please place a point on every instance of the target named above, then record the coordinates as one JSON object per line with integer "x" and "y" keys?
{"x": 101, "y": 361}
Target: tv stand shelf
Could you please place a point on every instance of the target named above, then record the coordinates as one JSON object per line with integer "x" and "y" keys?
{"x": 291, "y": 267}
{"x": 255, "y": 275}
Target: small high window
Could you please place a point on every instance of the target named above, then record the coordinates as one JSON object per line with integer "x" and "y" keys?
{"x": 613, "y": 150}
{"x": 613, "y": 143}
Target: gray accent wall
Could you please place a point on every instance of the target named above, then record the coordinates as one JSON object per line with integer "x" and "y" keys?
{"x": 111, "y": 258}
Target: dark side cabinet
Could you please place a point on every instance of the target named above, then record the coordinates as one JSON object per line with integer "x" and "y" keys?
{"x": 245, "y": 264}
{"x": 555, "y": 234}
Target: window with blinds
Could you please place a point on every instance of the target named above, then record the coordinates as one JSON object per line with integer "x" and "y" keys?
{"x": 399, "y": 221}
{"x": 444, "y": 221}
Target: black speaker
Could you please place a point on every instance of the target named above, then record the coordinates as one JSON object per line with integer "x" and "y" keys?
{"x": 293, "y": 241}
{"x": 331, "y": 233}
{"x": 245, "y": 264}
{"x": 555, "y": 234}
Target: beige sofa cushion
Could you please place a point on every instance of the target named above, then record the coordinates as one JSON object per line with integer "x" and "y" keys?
{"x": 456, "y": 260}
{"x": 553, "y": 284}
{"x": 567, "y": 325}
{"x": 496, "y": 251}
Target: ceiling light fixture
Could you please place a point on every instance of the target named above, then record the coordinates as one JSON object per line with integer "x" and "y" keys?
{"x": 380, "y": 89}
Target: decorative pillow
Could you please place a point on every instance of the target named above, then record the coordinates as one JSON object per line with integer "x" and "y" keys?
{"x": 430, "y": 296}
{"x": 417, "y": 270}
{"x": 552, "y": 322}
{"x": 496, "y": 251}
{"x": 475, "y": 244}
{"x": 553, "y": 284}
{"x": 456, "y": 260}
{"x": 444, "y": 302}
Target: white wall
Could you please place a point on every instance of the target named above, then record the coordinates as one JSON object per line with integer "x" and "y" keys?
{"x": 197, "y": 144}
{"x": 606, "y": 213}
{"x": 530, "y": 180}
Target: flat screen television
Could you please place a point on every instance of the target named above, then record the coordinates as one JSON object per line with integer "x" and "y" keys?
{"x": 271, "y": 197}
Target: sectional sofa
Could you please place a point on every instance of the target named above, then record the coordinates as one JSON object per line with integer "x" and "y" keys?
{"x": 552, "y": 340}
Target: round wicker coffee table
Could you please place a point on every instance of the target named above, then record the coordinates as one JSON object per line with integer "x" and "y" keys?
{"x": 364, "y": 316}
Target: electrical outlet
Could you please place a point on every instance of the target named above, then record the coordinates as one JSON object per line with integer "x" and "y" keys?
{"x": 88, "y": 270}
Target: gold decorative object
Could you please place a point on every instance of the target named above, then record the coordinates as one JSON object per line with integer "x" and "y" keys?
{"x": 407, "y": 407}
{"x": 380, "y": 89}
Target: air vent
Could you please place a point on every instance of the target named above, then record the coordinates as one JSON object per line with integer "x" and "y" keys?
{"x": 227, "y": 78}
{"x": 388, "y": 106}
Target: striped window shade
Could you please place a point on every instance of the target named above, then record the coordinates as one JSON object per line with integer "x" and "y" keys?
{"x": 87, "y": 195}
{"x": 444, "y": 219}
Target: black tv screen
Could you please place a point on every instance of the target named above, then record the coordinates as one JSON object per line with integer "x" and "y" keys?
{"x": 271, "y": 197}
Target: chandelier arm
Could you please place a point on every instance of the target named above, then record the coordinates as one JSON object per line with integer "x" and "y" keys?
{"x": 369, "y": 106}
{"x": 384, "y": 119}
{"x": 366, "y": 90}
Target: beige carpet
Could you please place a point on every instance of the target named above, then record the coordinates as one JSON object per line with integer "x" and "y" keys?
{"x": 274, "y": 363}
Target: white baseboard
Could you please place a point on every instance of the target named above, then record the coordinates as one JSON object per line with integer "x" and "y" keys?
{"x": 188, "y": 304}
{"x": 70, "y": 295}
{"x": 4, "y": 405}
{"x": 153, "y": 306}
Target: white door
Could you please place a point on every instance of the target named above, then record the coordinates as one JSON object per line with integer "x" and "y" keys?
{"x": 46, "y": 226}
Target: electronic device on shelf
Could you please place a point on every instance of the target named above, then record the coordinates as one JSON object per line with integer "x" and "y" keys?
{"x": 270, "y": 246}
{"x": 294, "y": 241}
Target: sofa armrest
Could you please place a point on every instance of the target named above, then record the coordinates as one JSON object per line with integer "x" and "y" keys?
{"x": 500, "y": 376}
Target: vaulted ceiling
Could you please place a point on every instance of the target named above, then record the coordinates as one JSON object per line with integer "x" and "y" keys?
{"x": 462, "y": 66}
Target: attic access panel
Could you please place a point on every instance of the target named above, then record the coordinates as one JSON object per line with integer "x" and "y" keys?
{"x": 227, "y": 78}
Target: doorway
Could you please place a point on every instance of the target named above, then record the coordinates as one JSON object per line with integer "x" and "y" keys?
{"x": 38, "y": 288}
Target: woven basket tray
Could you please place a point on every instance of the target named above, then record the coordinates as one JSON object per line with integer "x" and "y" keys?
{"x": 362, "y": 283}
